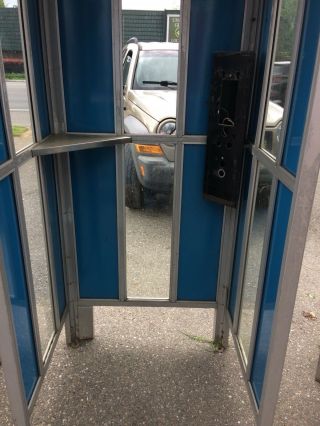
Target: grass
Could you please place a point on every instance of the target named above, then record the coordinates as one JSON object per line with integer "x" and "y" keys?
{"x": 214, "y": 345}
{"x": 15, "y": 76}
{"x": 18, "y": 130}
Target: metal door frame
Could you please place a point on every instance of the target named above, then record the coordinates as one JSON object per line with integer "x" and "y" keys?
{"x": 20, "y": 407}
{"x": 304, "y": 183}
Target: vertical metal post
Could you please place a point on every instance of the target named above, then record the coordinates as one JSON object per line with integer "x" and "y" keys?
{"x": 305, "y": 187}
{"x": 230, "y": 219}
{"x": 229, "y": 229}
{"x": 318, "y": 371}
{"x": 53, "y": 66}
{"x": 176, "y": 219}
{"x": 116, "y": 23}
{"x": 62, "y": 167}
{"x": 121, "y": 222}
{"x": 179, "y": 150}
{"x": 9, "y": 355}
{"x": 79, "y": 322}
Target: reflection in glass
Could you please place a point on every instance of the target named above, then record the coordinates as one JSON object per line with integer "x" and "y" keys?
{"x": 38, "y": 250}
{"x": 149, "y": 189}
{"x": 14, "y": 67}
{"x": 150, "y": 81}
{"x": 253, "y": 261}
{"x": 279, "y": 77}
{"x": 150, "y": 68}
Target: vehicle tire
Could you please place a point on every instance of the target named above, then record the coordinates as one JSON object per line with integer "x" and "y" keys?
{"x": 134, "y": 190}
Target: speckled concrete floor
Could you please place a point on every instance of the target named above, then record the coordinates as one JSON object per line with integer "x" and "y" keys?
{"x": 142, "y": 369}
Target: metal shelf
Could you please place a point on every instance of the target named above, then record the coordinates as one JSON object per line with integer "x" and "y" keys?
{"x": 67, "y": 142}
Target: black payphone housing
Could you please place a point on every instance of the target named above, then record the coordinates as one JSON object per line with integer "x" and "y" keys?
{"x": 228, "y": 118}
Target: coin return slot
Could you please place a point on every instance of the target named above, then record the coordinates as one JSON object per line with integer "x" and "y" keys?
{"x": 221, "y": 173}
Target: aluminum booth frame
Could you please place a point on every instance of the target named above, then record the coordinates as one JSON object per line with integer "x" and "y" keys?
{"x": 58, "y": 148}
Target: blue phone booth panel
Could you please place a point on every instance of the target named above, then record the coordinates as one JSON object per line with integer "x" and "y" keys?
{"x": 93, "y": 174}
{"x": 200, "y": 232}
{"x": 214, "y": 26}
{"x": 201, "y": 220}
{"x": 86, "y": 50}
{"x": 14, "y": 269}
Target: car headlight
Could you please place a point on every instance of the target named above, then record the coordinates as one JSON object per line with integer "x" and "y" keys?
{"x": 167, "y": 128}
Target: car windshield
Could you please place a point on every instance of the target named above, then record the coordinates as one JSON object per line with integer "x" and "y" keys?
{"x": 156, "y": 70}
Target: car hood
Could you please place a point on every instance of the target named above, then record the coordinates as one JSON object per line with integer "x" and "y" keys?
{"x": 159, "y": 104}
{"x": 274, "y": 115}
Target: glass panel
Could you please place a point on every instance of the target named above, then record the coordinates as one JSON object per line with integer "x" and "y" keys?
{"x": 253, "y": 261}
{"x": 279, "y": 76}
{"x": 150, "y": 66}
{"x": 271, "y": 282}
{"x": 150, "y": 81}
{"x": 17, "y": 286}
{"x": 149, "y": 194}
{"x": 11, "y": 44}
{"x": 38, "y": 250}
{"x": 240, "y": 233}
{"x": 306, "y": 68}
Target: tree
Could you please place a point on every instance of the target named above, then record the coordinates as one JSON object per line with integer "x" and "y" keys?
{"x": 286, "y": 30}
{"x": 2, "y": 4}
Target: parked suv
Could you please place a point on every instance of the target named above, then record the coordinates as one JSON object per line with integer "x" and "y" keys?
{"x": 150, "y": 93}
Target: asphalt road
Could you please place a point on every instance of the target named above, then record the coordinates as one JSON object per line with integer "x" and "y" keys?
{"x": 148, "y": 233}
{"x": 18, "y": 102}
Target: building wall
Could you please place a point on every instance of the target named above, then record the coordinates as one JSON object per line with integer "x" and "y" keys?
{"x": 9, "y": 29}
{"x": 146, "y": 25}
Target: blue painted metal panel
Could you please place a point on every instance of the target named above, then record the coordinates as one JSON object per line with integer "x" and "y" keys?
{"x": 52, "y": 204}
{"x": 200, "y": 232}
{"x": 14, "y": 268}
{"x": 240, "y": 230}
{"x": 271, "y": 282}
{"x": 302, "y": 85}
{"x": 94, "y": 200}
{"x": 3, "y": 140}
{"x": 87, "y": 64}
{"x": 214, "y": 26}
{"x": 37, "y": 58}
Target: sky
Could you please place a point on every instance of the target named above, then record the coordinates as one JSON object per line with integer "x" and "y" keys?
{"x": 10, "y": 3}
{"x": 133, "y": 4}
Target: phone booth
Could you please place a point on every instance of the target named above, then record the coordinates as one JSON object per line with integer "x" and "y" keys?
{"x": 246, "y": 155}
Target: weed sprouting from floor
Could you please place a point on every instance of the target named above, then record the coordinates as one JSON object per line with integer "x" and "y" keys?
{"x": 215, "y": 346}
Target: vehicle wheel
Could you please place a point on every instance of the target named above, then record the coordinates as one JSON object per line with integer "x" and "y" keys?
{"x": 134, "y": 190}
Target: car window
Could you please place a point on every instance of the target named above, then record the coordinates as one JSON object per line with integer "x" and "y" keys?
{"x": 126, "y": 67}
{"x": 156, "y": 70}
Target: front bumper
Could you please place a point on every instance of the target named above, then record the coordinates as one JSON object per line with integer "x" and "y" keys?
{"x": 155, "y": 173}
